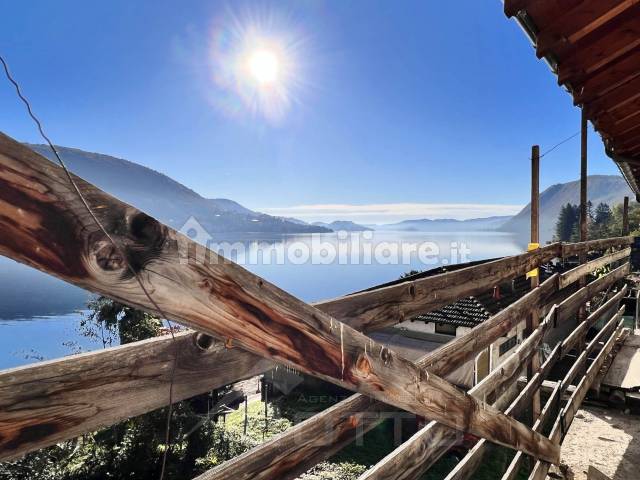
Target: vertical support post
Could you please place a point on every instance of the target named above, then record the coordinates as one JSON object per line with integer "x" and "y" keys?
{"x": 582, "y": 312}
{"x": 583, "y": 178}
{"x": 246, "y": 415}
{"x": 625, "y": 217}
{"x": 534, "y": 319}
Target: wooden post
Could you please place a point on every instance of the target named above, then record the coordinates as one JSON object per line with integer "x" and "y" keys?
{"x": 582, "y": 313}
{"x": 625, "y": 217}
{"x": 534, "y": 319}
{"x": 246, "y": 414}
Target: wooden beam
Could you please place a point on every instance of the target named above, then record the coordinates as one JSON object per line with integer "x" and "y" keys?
{"x": 619, "y": 72}
{"x": 534, "y": 317}
{"x": 375, "y": 309}
{"x": 625, "y": 216}
{"x": 46, "y": 226}
{"x": 314, "y": 440}
{"x": 564, "y": 419}
{"x": 597, "y": 50}
{"x": 53, "y": 401}
{"x": 575, "y": 274}
{"x": 568, "y": 307}
{"x": 195, "y": 379}
{"x": 578, "y": 22}
{"x": 572, "y": 339}
{"x": 614, "y": 99}
{"x": 465, "y": 348}
{"x": 571, "y": 249}
{"x": 416, "y": 455}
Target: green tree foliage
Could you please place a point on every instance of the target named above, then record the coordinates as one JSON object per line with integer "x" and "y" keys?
{"x": 603, "y": 222}
{"x": 567, "y": 222}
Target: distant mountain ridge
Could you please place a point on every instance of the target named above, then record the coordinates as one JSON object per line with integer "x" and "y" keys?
{"x": 343, "y": 225}
{"x": 610, "y": 189}
{"x": 168, "y": 200}
{"x": 447, "y": 224}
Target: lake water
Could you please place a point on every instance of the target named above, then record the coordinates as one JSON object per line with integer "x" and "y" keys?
{"x": 40, "y": 315}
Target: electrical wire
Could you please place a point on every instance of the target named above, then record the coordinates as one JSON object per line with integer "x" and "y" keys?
{"x": 118, "y": 249}
{"x": 560, "y": 143}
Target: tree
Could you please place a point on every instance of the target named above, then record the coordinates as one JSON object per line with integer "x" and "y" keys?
{"x": 567, "y": 222}
{"x": 602, "y": 222}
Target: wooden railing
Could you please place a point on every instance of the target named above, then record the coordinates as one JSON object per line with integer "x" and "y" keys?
{"x": 45, "y": 225}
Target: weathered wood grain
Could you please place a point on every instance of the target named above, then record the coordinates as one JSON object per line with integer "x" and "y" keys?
{"x": 47, "y": 227}
{"x": 461, "y": 350}
{"x": 568, "y": 307}
{"x": 581, "y": 330}
{"x": 86, "y": 416}
{"x": 389, "y": 305}
{"x": 564, "y": 419}
{"x": 571, "y": 249}
{"x": 416, "y": 455}
{"x": 312, "y": 441}
{"x": 64, "y": 398}
{"x": 574, "y": 274}
{"x": 289, "y": 454}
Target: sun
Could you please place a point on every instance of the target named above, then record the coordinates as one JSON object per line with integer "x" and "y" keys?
{"x": 264, "y": 66}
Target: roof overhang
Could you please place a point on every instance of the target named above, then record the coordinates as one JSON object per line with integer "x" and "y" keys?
{"x": 593, "y": 46}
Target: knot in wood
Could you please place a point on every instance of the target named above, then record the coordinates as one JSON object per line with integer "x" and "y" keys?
{"x": 108, "y": 257}
{"x": 385, "y": 355}
{"x": 363, "y": 366}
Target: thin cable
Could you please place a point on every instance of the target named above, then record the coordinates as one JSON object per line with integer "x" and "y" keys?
{"x": 561, "y": 143}
{"x": 115, "y": 245}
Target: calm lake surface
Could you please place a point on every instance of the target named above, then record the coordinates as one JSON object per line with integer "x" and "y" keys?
{"x": 40, "y": 315}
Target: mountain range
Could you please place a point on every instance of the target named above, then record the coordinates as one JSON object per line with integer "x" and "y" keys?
{"x": 446, "y": 225}
{"x": 168, "y": 200}
{"x": 173, "y": 203}
{"x": 610, "y": 189}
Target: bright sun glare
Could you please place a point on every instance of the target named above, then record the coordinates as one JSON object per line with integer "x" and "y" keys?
{"x": 256, "y": 65}
{"x": 264, "y": 66}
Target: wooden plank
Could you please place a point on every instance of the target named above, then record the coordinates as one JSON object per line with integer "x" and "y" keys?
{"x": 578, "y": 22}
{"x": 462, "y": 350}
{"x": 619, "y": 72}
{"x": 53, "y": 401}
{"x": 571, "y": 249}
{"x": 567, "y": 308}
{"x": 69, "y": 377}
{"x": 567, "y": 414}
{"x": 472, "y": 460}
{"x": 581, "y": 330}
{"x": 46, "y": 226}
{"x": 292, "y": 452}
{"x": 382, "y": 307}
{"x": 597, "y": 50}
{"x": 574, "y": 274}
{"x": 625, "y": 216}
{"x": 516, "y": 462}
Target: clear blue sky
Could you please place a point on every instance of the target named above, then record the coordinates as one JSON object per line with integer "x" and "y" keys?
{"x": 394, "y": 102}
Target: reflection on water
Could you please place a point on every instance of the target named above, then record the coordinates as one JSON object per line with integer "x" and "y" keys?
{"x": 26, "y": 294}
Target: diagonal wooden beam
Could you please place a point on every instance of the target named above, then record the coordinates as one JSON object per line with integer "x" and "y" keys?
{"x": 45, "y": 387}
{"x": 46, "y": 226}
{"x": 416, "y": 455}
{"x": 312, "y": 441}
{"x": 588, "y": 267}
